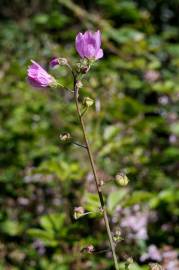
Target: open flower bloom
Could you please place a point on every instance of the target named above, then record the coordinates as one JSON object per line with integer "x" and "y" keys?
{"x": 38, "y": 77}
{"x": 88, "y": 45}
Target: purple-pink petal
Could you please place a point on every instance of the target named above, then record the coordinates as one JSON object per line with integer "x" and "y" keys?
{"x": 80, "y": 44}
{"x": 99, "y": 54}
{"x": 98, "y": 39}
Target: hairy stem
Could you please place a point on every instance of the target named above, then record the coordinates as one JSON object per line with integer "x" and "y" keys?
{"x": 103, "y": 207}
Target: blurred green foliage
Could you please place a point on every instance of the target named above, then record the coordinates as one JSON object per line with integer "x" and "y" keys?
{"x": 133, "y": 128}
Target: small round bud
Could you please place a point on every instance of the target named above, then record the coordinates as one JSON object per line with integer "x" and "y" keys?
{"x": 88, "y": 102}
{"x": 65, "y": 136}
{"x": 122, "y": 179}
{"x": 78, "y": 212}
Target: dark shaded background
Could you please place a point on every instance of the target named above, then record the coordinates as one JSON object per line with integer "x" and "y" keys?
{"x": 133, "y": 128}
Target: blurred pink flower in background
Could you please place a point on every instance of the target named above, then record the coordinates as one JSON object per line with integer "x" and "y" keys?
{"x": 136, "y": 224}
{"x": 151, "y": 75}
{"x": 152, "y": 254}
{"x": 88, "y": 45}
{"x": 39, "y": 77}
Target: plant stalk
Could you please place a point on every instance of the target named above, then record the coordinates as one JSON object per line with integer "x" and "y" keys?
{"x": 103, "y": 207}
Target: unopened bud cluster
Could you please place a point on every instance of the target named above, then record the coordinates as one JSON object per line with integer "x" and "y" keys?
{"x": 117, "y": 236}
{"x": 122, "y": 179}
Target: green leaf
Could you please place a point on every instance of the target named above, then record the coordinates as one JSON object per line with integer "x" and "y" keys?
{"x": 115, "y": 198}
{"x": 91, "y": 202}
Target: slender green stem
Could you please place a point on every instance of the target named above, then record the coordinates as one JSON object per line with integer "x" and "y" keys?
{"x": 103, "y": 207}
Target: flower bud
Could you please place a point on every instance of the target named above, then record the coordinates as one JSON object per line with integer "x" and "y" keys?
{"x": 89, "y": 249}
{"x": 122, "y": 179}
{"x": 65, "y": 136}
{"x": 78, "y": 212}
{"x": 58, "y": 62}
{"x": 117, "y": 236}
{"x": 88, "y": 102}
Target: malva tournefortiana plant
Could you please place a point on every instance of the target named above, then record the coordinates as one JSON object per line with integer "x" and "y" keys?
{"x": 88, "y": 45}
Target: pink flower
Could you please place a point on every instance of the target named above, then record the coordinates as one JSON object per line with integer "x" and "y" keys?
{"x": 88, "y": 45}
{"x": 153, "y": 253}
{"x": 38, "y": 77}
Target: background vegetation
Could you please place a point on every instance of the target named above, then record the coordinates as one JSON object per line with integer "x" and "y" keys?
{"x": 133, "y": 128}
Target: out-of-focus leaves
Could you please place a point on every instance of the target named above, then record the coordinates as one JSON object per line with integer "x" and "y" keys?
{"x": 52, "y": 229}
{"x": 138, "y": 197}
{"x": 52, "y": 221}
{"x": 12, "y": 228}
